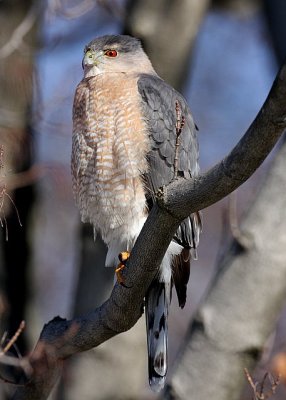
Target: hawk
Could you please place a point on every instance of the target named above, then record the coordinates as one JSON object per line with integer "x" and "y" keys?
{"x": 126, "y": 144}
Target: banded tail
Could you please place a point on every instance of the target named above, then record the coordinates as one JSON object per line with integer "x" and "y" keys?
{"x": 174, "y": 270}
{"x": 157, "y": 303}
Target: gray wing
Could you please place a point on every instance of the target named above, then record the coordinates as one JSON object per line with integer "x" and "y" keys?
{"x": 159, "y": 109}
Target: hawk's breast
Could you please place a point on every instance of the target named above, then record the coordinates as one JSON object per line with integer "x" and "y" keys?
{"x": 110, "y": 143}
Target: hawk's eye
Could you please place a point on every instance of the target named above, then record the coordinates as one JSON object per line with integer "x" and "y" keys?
{"x": 110, "y": 53}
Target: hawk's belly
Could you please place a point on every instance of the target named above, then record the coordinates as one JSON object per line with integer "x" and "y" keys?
{"x": 113, "y": 148}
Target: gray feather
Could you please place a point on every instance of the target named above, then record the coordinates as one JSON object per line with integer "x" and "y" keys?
{"x": 125, "y": 43}
{"x": 156, "y": 312}
{"x": 159, "y": 111}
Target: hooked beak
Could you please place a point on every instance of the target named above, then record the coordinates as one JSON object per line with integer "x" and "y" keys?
{"x": 90, "y": 59}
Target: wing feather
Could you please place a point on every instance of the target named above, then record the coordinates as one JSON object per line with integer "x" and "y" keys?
{"x": 159, "y": 109}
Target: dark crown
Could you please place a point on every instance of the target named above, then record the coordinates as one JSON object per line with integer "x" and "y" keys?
{"x": 123, "y": 43}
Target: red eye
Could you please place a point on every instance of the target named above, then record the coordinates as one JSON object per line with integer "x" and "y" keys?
{"x": 111, "y": 53}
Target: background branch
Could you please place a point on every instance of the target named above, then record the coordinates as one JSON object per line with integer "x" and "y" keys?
{"x": 170, "y": 41}
{"x": 61, "y": 338}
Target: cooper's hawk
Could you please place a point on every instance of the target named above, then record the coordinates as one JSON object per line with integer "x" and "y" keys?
{"x": 126, "y": 145}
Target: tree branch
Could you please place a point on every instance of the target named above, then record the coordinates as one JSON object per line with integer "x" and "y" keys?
{"x": 159, "y": 25}
{"x": 60, "y": 338}
{"x": 243, "y": 303}
{"x": 240, "y": 164}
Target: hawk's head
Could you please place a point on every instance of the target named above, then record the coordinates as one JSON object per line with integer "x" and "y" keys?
{"x": 115, "y": 53}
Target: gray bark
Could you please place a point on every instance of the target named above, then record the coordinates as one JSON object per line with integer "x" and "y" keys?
{"x": 60, "y": 338}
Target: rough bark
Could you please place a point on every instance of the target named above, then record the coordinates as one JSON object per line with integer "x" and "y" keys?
{"x": 168, "y": 31}
{"x": 60, "y": 338}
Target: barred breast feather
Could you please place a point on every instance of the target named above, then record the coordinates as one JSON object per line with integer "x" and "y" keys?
{"x": 110, "y": 143}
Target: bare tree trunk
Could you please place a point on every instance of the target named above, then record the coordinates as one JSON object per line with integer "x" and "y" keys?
{"x": 168, "y": 30}
{"x": 17, "y": 48}
{"x": 275, "y": 12}
{"x": 242, "y": 305}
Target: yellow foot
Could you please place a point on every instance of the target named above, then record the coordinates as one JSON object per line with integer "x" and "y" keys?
{"x": 123, "y": 257}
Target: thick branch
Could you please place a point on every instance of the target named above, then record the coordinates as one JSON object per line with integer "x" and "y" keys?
{"x": 184, "y": 197}
{"x": 242, "y": 306}
{"x": 60, "y": 338}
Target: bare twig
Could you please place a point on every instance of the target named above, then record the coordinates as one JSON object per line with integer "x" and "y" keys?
{"x": 3, "y": 221}
{"x": 258, "y": 388}
{"x": 12, "y": 361}
{"x": 16, "y": 181}
{"x": 180, "y": 123}
{"x": 1, "y": 157}
{"x": 60, "y": 8}
{"x": 17, "y": 37}
{"x": 30, "y": 176}
{"x": 13, "y": 340}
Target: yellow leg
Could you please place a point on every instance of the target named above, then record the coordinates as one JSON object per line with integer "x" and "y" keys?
{"x": 123, "y": 257}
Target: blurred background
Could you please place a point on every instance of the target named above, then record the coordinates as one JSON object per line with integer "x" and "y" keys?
{"x": 222, "y": 54}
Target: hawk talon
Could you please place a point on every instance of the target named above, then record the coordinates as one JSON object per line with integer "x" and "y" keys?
{"x": 160, "y": 195}
{"x": 123, "y": 257}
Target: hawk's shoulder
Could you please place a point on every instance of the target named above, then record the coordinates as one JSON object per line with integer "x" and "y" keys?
{"x": 158, "y": 102}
